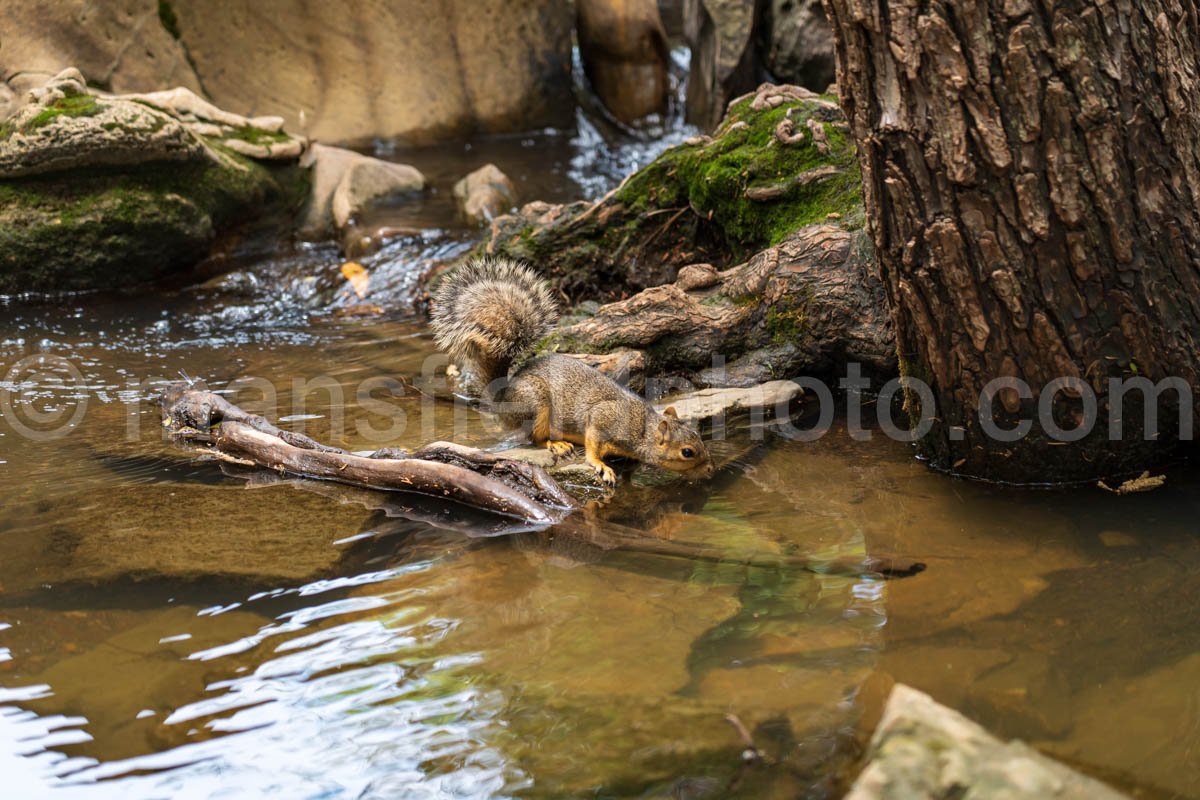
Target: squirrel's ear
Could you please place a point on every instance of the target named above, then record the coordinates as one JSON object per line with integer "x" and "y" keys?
{"x": 670, "y": 412}
{"x": 664, "y": 432}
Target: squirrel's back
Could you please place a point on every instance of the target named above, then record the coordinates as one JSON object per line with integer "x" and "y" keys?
{"x": 491, "y": 311}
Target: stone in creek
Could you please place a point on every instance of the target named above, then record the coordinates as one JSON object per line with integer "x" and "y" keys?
{"x": 484, "y": 195}
{"x": 275, "y": 534}
{"x": 116, "y": 191}
{"x": 923, "y": 749}
{"x": 346, "y": 183}
{"x": 68, "y": 128}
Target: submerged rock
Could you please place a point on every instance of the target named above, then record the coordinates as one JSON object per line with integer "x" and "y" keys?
{"x": 346, "y": 183}
{"x": 923, "y": 749}
{"x": 624, "y": 51}
{"x": 484, "y": 195}
{"x": 100, "y": 191}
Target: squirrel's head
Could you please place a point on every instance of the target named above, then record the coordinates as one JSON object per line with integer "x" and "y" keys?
{"x": 680, "y": 448}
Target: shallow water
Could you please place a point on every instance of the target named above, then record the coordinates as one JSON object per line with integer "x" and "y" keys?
{"x": 172, "y": 627}
{"x": 175, "y": 628}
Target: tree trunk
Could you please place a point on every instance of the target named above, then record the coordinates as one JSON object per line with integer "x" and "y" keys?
{"x": 1032, "y": 178}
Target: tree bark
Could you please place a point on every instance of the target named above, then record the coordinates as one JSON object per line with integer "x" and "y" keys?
{"x": 809, "y": 305}
{"x": 1031, "y": 175}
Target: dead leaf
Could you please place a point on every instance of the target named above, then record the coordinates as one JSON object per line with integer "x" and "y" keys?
{"x": 1142, "y": 483}
{"x": 358, "y": 277}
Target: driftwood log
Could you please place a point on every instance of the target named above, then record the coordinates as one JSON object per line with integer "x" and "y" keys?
{"x": 474, "y": 478}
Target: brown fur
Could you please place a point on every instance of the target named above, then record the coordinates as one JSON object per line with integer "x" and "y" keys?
{"x": 490, "y": 314}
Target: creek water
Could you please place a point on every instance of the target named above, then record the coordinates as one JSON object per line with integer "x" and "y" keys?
{"x": 171, "y": 627}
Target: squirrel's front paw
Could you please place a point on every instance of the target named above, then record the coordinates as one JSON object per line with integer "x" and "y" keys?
{"x": 560, "y": 449}
{"x": 606, "y": 475}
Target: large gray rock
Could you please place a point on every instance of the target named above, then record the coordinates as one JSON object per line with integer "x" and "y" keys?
{"x": 485, "y": 194}
{"x": 624, "y": 51}
{"x": 346, "y": 183}
{"x": 347, "y": 71}
{"x": 119, "y": 45}
{"x": 922, "y": 749}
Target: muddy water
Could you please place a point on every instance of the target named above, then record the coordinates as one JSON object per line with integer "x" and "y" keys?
{"x": 175, "y": 628}
{"x": 171, "y": 627}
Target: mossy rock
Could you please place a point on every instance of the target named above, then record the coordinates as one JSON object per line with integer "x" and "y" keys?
{"x": 104, "y": 192}
{"x": 717, "y": 200}
{"x": 108, "y": 227}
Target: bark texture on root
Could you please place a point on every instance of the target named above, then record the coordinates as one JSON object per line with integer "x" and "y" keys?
{"x": 1031, "y": 172}
{"x": 474, "y": 478}
{"x": 809, "y": 305}
{"x": 717, "y": 199}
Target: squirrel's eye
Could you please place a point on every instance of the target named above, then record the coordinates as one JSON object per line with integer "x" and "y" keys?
{"x": 687, "y": 452}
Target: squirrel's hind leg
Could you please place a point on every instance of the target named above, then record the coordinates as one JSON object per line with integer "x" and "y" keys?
{"x": 543, "y": 434}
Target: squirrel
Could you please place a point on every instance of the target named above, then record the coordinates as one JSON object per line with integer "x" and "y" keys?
{"x": 489, "y": 314}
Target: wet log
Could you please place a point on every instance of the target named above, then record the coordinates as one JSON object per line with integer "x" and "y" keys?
{"x": 446, "y": 471}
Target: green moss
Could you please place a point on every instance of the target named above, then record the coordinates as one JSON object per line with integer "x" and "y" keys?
{"x": 170, "y": 22}
{"x": 254, "y": 135}
{"x": 84, "y": 105}
{"x": 690, "y": 205}
{"x": 713, "y": 178}
{"x": 785, "y": 324}
{"x": 99, "y": 228}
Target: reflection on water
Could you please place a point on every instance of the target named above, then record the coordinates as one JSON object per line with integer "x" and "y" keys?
{"x": 172, "y": 628}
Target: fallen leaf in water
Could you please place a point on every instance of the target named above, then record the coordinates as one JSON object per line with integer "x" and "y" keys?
{"x": 1142, "y": 483}
{"x": 357, "y": 275}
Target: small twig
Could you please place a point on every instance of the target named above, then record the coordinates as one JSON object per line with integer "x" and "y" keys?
{"x": 751, "y": 754}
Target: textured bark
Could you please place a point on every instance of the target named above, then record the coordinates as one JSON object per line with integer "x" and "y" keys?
{"x": 809, "y": 305}
{"x": 1032, "y": 175}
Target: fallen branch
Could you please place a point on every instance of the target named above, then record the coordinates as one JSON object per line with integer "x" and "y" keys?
{"x": 471, "y": 477}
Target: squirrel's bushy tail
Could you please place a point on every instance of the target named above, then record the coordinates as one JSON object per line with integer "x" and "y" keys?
{"x": 489, "y": 312}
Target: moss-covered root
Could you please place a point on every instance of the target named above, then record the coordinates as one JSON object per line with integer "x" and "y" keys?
{"x": 780, "y": 161}
{"x": 753, "y": 180}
